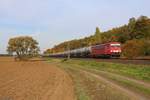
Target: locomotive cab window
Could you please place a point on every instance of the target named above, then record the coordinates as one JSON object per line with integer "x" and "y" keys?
{"x": 99, "y": 47}
{"x": 115, "y": 45}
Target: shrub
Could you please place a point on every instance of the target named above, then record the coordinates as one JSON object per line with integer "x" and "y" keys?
{"x": 133, "y": 48}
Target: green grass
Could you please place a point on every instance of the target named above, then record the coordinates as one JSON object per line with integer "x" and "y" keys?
{"x": 129, "y": 84}
{"x": 80, "y": 91}
{"x": 89, "y": 88}
{"x": 141, "y": 72}
{"x": 121, "y": 81}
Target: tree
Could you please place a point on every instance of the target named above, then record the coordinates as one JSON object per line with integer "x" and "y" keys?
{"x": 141, "y": 28}
{"x": 131, "y": 24}
{"x": 23, "y": 46}
{"x": 97, "y": 31}
{"x": 123, "y": 34}
{"x": 97, "y": 36}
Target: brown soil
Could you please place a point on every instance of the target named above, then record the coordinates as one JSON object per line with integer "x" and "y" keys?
{"x": 34, "y": 80}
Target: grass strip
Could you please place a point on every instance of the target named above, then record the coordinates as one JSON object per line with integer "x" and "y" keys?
{"x": 141, "y": 72}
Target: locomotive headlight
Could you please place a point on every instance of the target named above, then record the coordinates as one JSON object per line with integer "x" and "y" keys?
{"x": 114, "y": 51}
{"x": 117, "y": 51}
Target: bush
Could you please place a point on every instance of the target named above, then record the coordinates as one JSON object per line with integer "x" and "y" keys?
{"x": 133, "y": 48}
{"x": 146, "y": 47}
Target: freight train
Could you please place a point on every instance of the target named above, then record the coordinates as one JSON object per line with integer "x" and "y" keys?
{"x": 112, "y": 49}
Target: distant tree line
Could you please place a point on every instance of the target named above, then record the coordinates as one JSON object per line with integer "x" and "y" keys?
{"x": 134, "y": 36}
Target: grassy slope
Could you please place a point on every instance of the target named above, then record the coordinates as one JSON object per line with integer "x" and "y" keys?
{"x": 132, "y": 71}
{"x": 141, "y": 72}
{"x": 89, "y": 88}
{"x": 79, "y": 84}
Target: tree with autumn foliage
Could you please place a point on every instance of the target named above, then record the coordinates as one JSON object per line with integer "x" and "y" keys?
{"x": 24, "y": 47}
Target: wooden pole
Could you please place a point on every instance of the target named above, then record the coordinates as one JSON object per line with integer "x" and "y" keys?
{"x": 68, "y": 51}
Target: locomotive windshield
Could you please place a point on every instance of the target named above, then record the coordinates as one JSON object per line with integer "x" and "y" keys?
{"x": 115, "y": 45}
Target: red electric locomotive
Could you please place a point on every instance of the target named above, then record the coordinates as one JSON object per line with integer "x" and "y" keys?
{"x": 112, "y": 49}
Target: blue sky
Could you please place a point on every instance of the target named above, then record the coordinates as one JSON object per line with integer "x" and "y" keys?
{"x": 55, "y": 21}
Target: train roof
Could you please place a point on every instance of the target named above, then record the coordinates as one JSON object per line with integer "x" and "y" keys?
{"x": 106, "y": 43}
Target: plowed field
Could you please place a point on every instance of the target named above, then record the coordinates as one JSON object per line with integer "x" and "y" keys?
{"x": 33, "y": 80}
